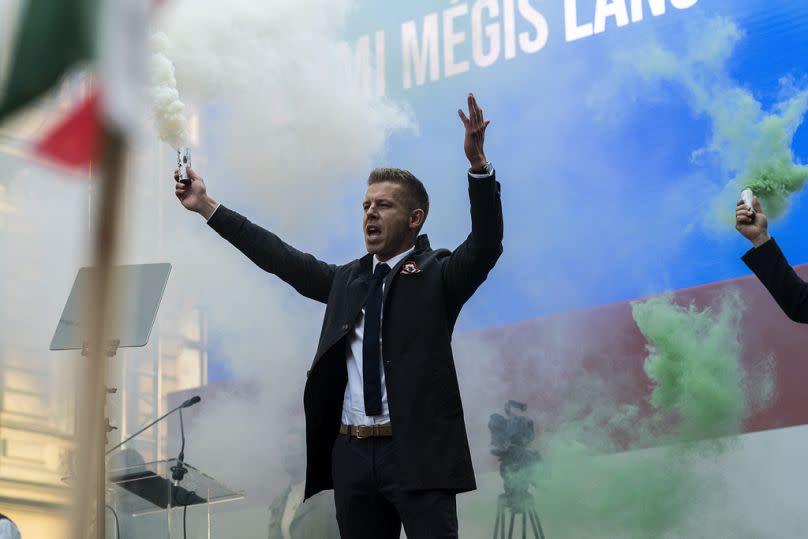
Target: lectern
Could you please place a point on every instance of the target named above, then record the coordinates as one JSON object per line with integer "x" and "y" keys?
{"x": 135, "y": 488}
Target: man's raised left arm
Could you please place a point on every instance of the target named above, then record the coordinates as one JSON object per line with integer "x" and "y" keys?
{"x": 470, "y": 263}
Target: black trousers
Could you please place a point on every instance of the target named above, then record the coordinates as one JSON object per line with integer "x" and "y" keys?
{"x": 370, "y": 504}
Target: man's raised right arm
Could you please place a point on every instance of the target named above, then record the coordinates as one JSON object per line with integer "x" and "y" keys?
{"x": 308, "y": 275}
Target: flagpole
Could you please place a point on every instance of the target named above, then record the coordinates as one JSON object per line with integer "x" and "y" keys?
{"x": 90, "y": 486}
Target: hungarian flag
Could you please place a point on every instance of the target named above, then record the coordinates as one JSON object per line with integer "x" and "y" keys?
{"x": 54, "y": 36}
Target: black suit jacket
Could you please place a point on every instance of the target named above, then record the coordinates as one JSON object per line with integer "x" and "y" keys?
{"x": 420, "y": 309}
{"x": 780, "y": 279}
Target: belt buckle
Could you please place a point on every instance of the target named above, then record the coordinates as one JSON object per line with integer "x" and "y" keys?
{"x": 358, "y": 430}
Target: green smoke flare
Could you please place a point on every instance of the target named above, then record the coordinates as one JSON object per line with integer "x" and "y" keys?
{"x": 753, "y": 145}
{"x": 770, "y": 173}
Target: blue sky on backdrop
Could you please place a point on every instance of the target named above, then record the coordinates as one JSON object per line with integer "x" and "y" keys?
{"x": 603, "y": 200}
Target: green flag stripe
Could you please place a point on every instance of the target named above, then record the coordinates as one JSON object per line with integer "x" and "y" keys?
{"x": 52, "y": 37}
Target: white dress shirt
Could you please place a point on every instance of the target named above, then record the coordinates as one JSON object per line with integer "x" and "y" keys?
{"x": 353, "y": 404}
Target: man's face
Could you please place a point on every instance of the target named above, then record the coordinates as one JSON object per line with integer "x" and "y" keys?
{"x": 388, "y": 223}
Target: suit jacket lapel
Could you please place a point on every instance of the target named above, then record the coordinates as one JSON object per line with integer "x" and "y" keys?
{"x": 358, "y": 287}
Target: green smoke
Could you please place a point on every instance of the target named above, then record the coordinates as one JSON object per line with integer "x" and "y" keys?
{"x": 770, "y": 172}
{"x": 753, "y": 145}
{"x": 699, "y": 393}
{"x": 693, "y": 363}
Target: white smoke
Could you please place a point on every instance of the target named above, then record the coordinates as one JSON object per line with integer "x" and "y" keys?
{"x": 292, "y": 126}
{"x": 294, "y": 122}
{"x": 169, "y": 110}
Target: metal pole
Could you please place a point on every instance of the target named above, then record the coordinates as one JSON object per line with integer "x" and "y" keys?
{"x": 90, "y": 488}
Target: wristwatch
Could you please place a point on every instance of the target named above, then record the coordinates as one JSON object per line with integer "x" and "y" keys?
{"x": 485, "y": 170}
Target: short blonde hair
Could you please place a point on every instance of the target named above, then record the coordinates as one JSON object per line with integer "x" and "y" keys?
{"x": 416, "y": 197}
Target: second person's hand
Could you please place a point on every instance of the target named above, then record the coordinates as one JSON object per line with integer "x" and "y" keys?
{"x": 753, "y": 225}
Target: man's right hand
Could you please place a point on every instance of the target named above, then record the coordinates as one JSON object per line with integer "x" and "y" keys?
{"x": 194, "y": 195}
{"x": 753, "y": 225}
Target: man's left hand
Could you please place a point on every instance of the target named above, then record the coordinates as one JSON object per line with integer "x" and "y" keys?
{"x": 475, "y": 125}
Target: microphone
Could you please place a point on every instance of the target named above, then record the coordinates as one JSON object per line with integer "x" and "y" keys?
{"x": 190, "y": 402}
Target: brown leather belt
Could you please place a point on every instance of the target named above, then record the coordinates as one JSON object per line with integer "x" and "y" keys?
{"x": 366, "y": 431}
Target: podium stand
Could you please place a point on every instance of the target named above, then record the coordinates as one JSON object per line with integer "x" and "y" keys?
{"x": 142, "y": 495}
{"x": 148, "y": 504}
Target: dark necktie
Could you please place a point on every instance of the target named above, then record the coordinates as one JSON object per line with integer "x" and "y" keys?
{"x": 371, "y": 343}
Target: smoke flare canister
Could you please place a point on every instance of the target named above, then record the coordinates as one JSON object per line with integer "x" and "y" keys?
{"x": 183, "y": 162}
{"x": 746, "y": 196}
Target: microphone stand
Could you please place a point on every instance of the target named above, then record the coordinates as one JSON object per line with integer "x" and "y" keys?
{"x": 179, "y": 470}
{"x": 186, "y": 404}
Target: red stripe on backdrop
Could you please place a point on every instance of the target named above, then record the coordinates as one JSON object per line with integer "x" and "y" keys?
{"x": 75, "y": 141}
{"x": 539, "y": 361}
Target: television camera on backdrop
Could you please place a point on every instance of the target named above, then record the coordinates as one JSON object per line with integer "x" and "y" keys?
{"x": 511, "y": 436}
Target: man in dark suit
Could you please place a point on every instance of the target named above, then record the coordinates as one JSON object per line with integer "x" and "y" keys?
{"x": 384, "y": 421}
{"x": 767, "y": 261}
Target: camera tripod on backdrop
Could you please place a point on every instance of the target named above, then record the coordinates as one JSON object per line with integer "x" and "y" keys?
{"x": 510, "y": 437}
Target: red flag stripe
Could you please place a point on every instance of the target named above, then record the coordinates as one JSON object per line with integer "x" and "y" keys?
{"x": 74, "y": 142}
